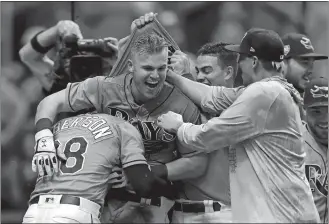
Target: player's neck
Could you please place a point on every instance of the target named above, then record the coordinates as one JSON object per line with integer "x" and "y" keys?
{"x": 138, "y": 98}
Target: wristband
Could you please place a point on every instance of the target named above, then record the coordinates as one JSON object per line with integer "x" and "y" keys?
{"x": 37, "y": 47}
{"x": 43, "y": 123}
{"x": 42, "y": 134}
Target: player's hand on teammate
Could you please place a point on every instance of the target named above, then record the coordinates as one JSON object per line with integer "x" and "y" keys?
{"x": 142, "y": 21}
{"x": 67, "y": 28}
{"x": 46, "y": 154}
{"x": 118, "y": 178}
{"x": 179, "y": 63}
{"x": 170, "y": 121}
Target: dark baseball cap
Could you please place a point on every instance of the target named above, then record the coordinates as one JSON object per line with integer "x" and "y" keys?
{"x": 316, "y": 92}
{"x": 298, "y": 45}
{"x": 265, "y": 44}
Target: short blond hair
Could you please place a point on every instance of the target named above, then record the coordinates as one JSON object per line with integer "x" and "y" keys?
{"x": 149, "y": 43}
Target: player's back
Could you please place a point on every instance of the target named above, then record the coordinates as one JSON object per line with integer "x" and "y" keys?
{"x": 268, "y": 182}
{"x": 92, "y": 147}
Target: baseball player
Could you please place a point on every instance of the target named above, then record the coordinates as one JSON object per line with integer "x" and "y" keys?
{"x": 216, "y": 66}
{"x": 93, "y": 145}
{"x": 209, "y": 198}
{"x": 263, "y": 128}
{"x": 316, "y": 142}
{"x": 138, "y": 97}
{"x": 299, "y": 59}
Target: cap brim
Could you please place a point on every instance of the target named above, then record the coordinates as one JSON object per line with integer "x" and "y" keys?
{"x": 313, "y": 55}
{"x": 234, "y": 48}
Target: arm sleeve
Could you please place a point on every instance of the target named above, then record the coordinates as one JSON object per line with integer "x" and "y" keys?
{"x": 132, "y": 149}
{"x": 220, "y": 98}
{"x": 245, "y": 119}
{"x": 85, "y": 94}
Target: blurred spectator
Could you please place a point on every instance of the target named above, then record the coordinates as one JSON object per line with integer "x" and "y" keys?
{"x": 14, "y": 111}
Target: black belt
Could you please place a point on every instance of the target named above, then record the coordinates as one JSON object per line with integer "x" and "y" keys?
{"x": 65, "y": 199}
{"x": 194, "y": 207}
{"x": 123, "y": 195}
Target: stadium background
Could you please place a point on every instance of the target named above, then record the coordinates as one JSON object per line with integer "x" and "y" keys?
{"x": 191, "y": 24}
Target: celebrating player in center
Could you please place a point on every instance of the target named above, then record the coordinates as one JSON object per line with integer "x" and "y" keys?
{"x": 139, "y": 96}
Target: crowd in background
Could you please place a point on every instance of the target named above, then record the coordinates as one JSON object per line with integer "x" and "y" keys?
{"x": 191, "y": 25}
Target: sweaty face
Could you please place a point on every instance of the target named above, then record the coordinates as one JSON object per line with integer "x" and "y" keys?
{"x": 317, "y": 120}
{"x": 149, "y": 74}
{"x": 209, "y": 71}
{"x": 298, "y": 72}
{"x": 247, "y": 71}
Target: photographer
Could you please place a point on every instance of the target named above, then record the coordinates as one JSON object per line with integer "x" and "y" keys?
{"x": 76, "y": 59}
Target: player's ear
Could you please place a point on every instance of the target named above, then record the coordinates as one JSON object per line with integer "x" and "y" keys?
{"x": 255, "y": 61}
{"x": 228, "y": 73}
{"x": 130, "y": 66}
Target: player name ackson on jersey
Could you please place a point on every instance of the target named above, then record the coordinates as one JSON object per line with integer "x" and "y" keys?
{"x": 97, "y": 126}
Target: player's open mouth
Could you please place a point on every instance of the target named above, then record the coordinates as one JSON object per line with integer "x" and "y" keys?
{"x": 323, "y": 126}
{"x": 151, "y": 84}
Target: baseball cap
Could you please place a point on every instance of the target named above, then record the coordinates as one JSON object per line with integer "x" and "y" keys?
{"x": 300, "y": 46}
{"x": 265, "y": 44}
{"x": 316, "y": 92}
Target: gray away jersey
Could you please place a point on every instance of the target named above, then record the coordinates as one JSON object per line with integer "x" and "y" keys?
{"x": 93, "y": 145}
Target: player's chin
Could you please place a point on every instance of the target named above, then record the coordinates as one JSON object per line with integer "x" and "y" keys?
{"x": 302, "y": 84}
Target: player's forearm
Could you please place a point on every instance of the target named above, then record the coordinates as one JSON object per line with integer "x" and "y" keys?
{"x": 48, "y": 108}
{"x": 219, "y": 132}
{"x": 193, "y": 90}
{"x": 187, "y": 168}
{"x": 46, "y": 39}
{"x": 40, "y": 65}
{"x": 146, "y": 184}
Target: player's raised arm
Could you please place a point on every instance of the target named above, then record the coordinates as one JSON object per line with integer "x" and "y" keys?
{"x": 33, "y": 54}
{"x": 236, "y": 124}
{"x": 212, "y": 99}
{"x": 191, "y": 89}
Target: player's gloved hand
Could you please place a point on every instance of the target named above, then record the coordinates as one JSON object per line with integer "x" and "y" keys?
{"x": 117, "y": 178}
{"x": 67, "y": 28}
{"x": 142, "y": 21}
{"x": 170, "y": 121}
{"x": 179, "y": 63}
{"x": 45, "y": 154}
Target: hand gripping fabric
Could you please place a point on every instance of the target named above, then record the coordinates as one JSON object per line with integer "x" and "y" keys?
{"x": 121, "y": 64}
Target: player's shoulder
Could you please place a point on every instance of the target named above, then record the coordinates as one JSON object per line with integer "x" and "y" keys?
{"x": 265, "y": 92}
{"x": 178, "y": 97}
{"x": 118, "y": 81}
{"x": 179, "y": 100}
{"x": 111, "y": 120}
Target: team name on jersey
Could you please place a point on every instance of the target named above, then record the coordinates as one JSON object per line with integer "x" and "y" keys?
{"x": 317, "y": 178}
{"x": 96, "y": 125}
{"x": 148, "y": 129}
